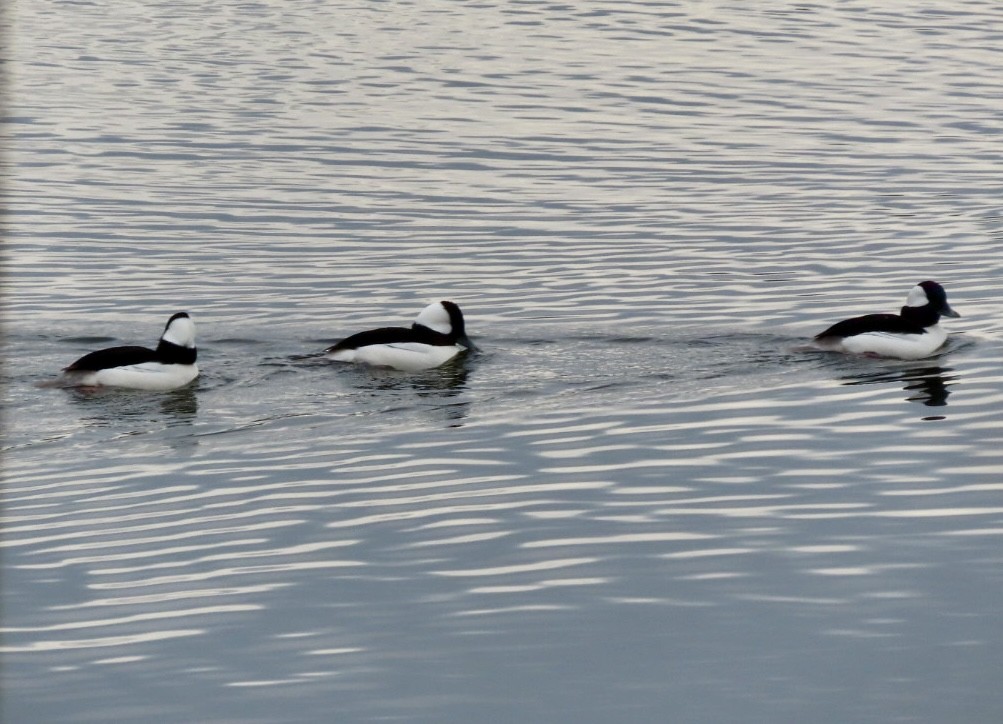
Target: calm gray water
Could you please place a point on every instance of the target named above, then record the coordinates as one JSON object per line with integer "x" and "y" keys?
{"x": 640, "y": 502}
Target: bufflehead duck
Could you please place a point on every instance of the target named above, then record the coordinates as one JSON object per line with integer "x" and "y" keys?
{"x": 914, "y": 333}
{"x": 437, "y": 335}
{"x": 170, "y": 365}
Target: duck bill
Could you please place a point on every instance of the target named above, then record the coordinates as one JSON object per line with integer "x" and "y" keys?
{"x": 465, "y": 342}
{"x": 946, "y": 311}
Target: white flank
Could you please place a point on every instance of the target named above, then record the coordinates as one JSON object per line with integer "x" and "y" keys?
{"x": 145, "y": 376}
{"x": 406, "y": 356}
{"x": 885, "y": 344}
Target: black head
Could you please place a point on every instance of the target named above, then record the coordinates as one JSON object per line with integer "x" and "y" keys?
{"x": 445, "y": 318}
{"x": 178, "y": 340}
{"x": 931, "y": 295}
{"x": 455, "y": 319}
{"x": 179, "y": 315}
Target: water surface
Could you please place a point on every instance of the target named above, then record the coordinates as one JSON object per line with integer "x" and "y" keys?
{"x": 641, "y": 501}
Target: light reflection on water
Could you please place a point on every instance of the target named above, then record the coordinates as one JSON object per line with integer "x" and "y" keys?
{"x": 640, "y": 501}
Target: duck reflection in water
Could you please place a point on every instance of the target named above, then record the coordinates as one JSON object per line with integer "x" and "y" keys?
{"x": 109, "y": 404}
{"x": 927, "y": 385}
{"x": 440, "y": 387}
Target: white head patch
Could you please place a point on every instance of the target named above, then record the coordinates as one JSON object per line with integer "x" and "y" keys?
{"x": 917, "y": 297}
{"x": 181, "y": 332}
{"x": 436, "y": 318}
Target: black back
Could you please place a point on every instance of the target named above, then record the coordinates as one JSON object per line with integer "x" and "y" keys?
{"x": 393, "y": 335}
{"x": 113, "y": 357}
{"x": 892, "y": 323}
